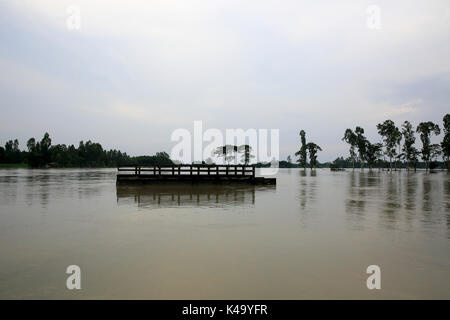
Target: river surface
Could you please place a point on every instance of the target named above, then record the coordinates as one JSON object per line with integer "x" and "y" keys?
{"x": 312, "y": 236}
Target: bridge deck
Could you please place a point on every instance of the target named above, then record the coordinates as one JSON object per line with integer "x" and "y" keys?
{"x": 191, "y": 173}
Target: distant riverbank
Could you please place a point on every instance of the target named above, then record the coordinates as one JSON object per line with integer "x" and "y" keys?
{"x": 13, "y": 165}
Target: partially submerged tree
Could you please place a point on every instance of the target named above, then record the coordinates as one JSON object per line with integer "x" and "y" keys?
{"x": 445, "y": 144}
{"x": 350, "y": 138}
{"x": 373, "y": 153}
{"x": 391, "y": 137}
{"x": 428, "y": 150}
{"x": 361, "y": 143}
{"x": 313, "y": 149}
{"x": 302, "y": 152}
{"x": 409, "y": 151}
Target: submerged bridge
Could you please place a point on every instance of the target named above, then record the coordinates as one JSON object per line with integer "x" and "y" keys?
{"x": 193, "y": 173}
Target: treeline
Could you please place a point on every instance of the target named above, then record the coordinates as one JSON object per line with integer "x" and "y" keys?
{"x": 397, "y": 149}
{"x": 41, "y": 154}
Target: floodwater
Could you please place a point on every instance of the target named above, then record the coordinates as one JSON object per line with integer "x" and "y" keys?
{"x": 312, "y": 236}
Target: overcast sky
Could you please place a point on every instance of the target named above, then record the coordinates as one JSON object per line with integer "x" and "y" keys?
{"x": 137, "y": 70}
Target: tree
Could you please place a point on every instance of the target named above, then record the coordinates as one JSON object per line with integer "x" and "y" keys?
{"x": 428, "y": 150}
{"x": 246, "y": 156}
{"x": 2, "y": 155}
{"x": 409, "y": 151}
{"x": 46, "y": 142}
{"x": 313, "y": 149}
{"x": 391, "y": 137}
{"x": 12, "y": 153}
{"x": 373, "y": 153}
{"x": 221, "y": 152}
{"x": 361, "y": 143}
{"x": 445, "y": 144}
{"x": 34, "y": 158}
{"x": 163, "y": 159}
{"x": 302, "y": 152}
{"x": 398, "y": 141}
{"x": 350, "y": 138}
{"x": 225, "y": 152}
{"x": 235, "y": 151}
{"x": 288, "y": 159}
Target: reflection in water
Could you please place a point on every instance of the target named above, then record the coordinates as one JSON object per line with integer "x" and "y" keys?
{"x": 431, "y": 200}
{"x": 361, "y": 187}
{"x": 410, "y": 191}
{"x": 271, "y": 243}
{"x": 356, "y": 201}
{"x": 426, "y": 191}
{"x": 42, "y": 186}
{"x": 308, "y": 185}
{"x": 446, "y": 183}
{"x": 391, "y": 209}
{"x": 188, "y": 195}
{"x": 402, "y": 196}
{"x": 8, "y": 190}
{"x": 308, "y": 196}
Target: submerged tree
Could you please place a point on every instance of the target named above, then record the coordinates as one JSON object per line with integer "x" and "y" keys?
{"x": 409, "y": 151}
{"x": 429, "y": 151}
{"x": 350, "y": 138}
{"x": 445, "y": 144}
{"x": 361, "y": 143}
{"x": 391, "y": 137}
{"x": 313, "y": 149}
{"x": 302, "y": 152}
{"x": 373, "y": 153}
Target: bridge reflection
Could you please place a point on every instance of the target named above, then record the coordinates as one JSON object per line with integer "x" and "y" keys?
{"x": 190, "y": 195}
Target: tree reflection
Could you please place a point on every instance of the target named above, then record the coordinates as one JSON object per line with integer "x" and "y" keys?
{"x": 355, "y": 204}
{"x": 308, "y": 186}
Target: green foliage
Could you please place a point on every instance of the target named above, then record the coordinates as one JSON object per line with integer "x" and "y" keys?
{"x": 160, "y": 159}
{"x": 246, "y": 153}
{"x": 11, "y": 153}
{"x": 391, "y": 137}
{"x": 13, "y": 165}
{"x": 429, "y": 151}
{"x": 302, "y": 152}
{"x": 445, "y": 144}
{"x": 409, "y": 151}
{"x": 88, "y": 154}
{"x": 373, "y": 153}
{"x": 361, "y": 143}
{"x": 313, "y": 149}
{"x": 229, "y": 153}
{"x": 351, "y": 139}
